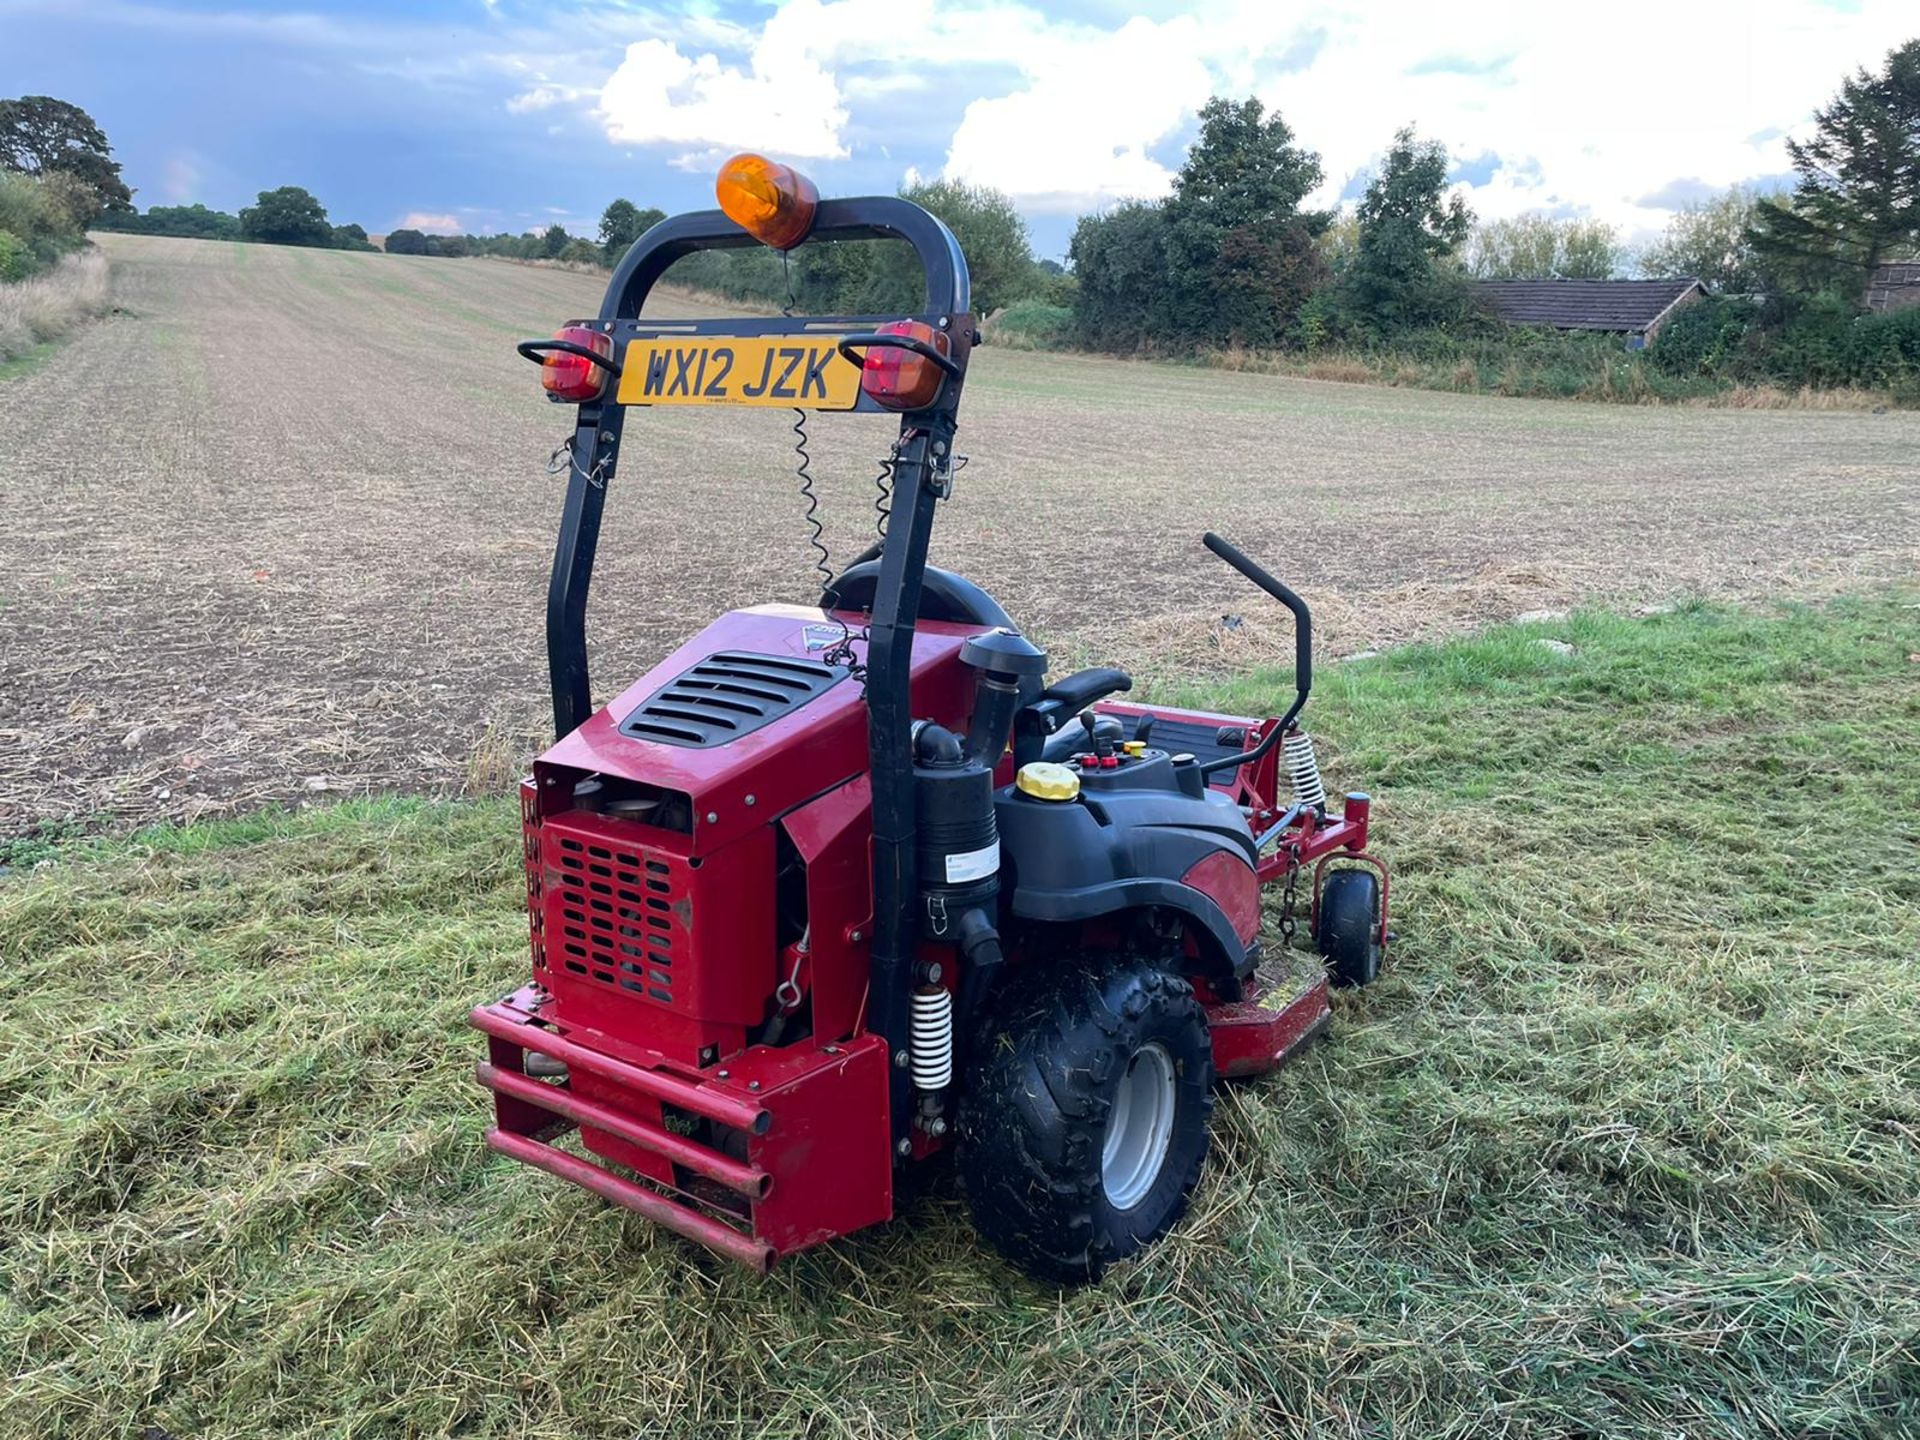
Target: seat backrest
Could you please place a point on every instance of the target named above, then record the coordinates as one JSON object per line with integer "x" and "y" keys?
{"x": 943, "y": 596}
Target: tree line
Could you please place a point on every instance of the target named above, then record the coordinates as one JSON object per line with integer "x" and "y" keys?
{"x": 1233, "y": 259}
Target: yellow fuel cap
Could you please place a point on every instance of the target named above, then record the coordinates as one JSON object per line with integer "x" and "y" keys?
{"x": 1135, "y": 747}
{"x": 1046, "y": 781}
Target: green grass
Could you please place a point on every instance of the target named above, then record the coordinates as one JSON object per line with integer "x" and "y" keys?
{"x": 29, "y": 362}
{"x": 1626, "y": 1143}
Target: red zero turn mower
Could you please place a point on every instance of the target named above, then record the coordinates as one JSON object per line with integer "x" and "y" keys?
{"x": 835, "y": 888}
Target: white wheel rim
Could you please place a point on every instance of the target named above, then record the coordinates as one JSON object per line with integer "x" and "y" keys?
{"x": 1139, "y": 1127}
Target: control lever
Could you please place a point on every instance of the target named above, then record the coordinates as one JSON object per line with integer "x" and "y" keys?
{"x": 1302, "y": 651}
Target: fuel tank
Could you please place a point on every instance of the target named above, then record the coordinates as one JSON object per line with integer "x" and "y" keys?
{"x": 1134, "y": 836}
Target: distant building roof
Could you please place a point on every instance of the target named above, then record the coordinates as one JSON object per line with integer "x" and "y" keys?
{"x": 1894, "y": 286}
{"x": 1630, "y": 306}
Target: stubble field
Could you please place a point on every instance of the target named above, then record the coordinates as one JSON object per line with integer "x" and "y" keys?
{"x": 279, "y": 529}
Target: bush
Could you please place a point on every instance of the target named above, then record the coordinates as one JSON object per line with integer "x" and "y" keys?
{"x": 1886, "y": 349}
{"x": 34, "y": 211}
{"x": 1120, "y": 260}
{"x": 16, "y": 257}
{"x": 1709, "y": 337}
{"x": 1031, "y": 325}
{"x": 406, "y": 242}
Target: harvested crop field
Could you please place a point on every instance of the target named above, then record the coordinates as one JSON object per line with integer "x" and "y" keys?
{"x": 281, "y": 527}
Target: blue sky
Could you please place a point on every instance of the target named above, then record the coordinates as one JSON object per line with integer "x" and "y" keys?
{"x": 462, "y": 114}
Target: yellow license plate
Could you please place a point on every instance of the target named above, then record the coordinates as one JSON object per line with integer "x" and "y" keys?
{"x": 739, "y": 370}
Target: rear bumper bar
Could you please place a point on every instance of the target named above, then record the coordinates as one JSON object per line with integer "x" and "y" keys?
{"x": 747, "y": 1180}
{"x": 502, "y": 1022}
{"x": 671, "y": 1214}
{"x": 795, "y": 1152}
{"x": 533, "y": 1113}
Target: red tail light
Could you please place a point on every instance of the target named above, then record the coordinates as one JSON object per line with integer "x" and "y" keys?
{"x": 900, "y": 379}
{"x": 574, "y": 378}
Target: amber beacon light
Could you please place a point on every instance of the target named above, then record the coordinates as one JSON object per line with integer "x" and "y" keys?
{"x": 774, "y": 203}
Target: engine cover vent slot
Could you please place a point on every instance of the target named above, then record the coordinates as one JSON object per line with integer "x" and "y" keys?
{"x": 726, "y": 696}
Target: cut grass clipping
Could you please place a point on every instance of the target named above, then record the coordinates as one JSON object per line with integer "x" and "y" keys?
{"x": 1626, "y": 1142}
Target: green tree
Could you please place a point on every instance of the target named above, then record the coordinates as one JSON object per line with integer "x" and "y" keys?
{"x": 1856, "y": 200}
{"x": 1230, "y": 256}
{"x": 1540, "y": 247}
{"x": 351, "y": 237}
{"x": 194, "y": 221}
{"x": 1234, "y": 226}
{"x": 554, "y": 241}
{"x": 1120, "y": 261}
{"x": 1400, "y": 277}
{"x": 882, "y": 279}
{"x": 621, "y": 224}
{"x": 287, "y": 216}
{"x": 40, "y": 135}
{"x": 406, "y": 242}
{"x": 1711, "y": 241}
{"x": 448, "y": 247}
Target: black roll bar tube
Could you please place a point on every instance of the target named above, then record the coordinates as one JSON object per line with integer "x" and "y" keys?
{"x": 1302, "y": 650}
{"x": 874, "y": 217}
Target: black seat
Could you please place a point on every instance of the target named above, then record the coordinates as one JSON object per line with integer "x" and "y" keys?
{"x": 943, "y": 596}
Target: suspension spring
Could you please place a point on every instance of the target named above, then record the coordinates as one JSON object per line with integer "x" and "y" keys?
{"x": 1303, "y": 770}
{"x": 932, "y": 1038}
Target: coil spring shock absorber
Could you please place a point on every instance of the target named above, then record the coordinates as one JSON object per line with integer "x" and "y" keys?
{"x": 1303, "y": 769}
{"x": 932, "y": 1039}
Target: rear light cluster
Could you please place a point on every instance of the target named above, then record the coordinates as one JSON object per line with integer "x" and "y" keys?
{"x": 900, "y": 379}
{"x": 574, "y": 378}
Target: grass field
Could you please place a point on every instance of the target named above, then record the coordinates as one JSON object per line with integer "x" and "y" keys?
{"x": 1627, "y": 1142}
{"x": 280, "y": 528}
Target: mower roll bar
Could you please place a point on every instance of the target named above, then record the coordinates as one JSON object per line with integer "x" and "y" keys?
{"x": 1302, "y": 649}
{"x": 922, "y": 471}
{"x": 875, "y": 217}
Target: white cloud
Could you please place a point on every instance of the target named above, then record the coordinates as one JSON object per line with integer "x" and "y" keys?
{"x": 660, "y": 95}
{"x": 1079, "y": 134}
{"x": 544, "y": 97}
{"x": 787, "y": 94}
{"x": 1576, "y": 116}
{"x": 431, "y": 222}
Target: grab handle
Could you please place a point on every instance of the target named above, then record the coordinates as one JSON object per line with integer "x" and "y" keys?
{"x": 1302, "y": 649}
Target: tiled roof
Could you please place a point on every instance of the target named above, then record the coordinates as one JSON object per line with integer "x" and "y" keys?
{"x": 1894, "y": 286}
{"x": 1627, "y": 305}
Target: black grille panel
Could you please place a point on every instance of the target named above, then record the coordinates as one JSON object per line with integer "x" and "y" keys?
{"x": 726, "y": 696}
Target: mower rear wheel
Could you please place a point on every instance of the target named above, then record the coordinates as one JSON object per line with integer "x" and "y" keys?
{"x": 1349, "y": 927}
{"x": 1083, "y": 1126}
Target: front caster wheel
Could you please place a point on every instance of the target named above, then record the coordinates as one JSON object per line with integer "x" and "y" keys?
{"x": 1348, "y": 933}
{"x": 1084, "y": 1124}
